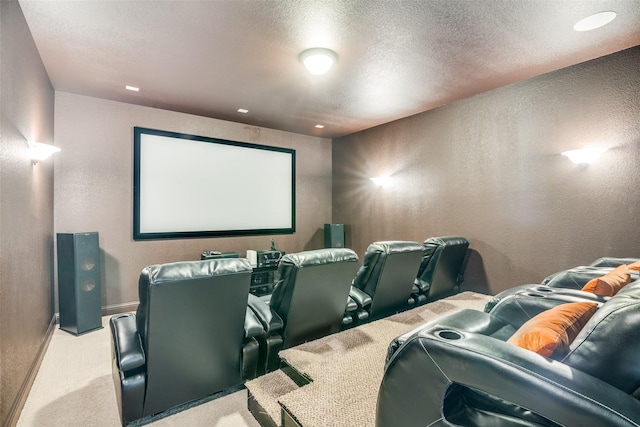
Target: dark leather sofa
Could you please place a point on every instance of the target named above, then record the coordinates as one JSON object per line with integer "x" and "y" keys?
{"x": 192, "y": 336}
{"x": 459, "y": 369}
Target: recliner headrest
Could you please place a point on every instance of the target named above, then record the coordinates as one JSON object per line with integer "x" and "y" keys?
{"x": 161, "y": 273}
{"x": 394, "y": 246}
{"x": 447, "y": 241}
{"x": 319, "y": 257}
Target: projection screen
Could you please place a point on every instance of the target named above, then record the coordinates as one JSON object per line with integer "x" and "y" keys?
{"x": 188, "y": 186}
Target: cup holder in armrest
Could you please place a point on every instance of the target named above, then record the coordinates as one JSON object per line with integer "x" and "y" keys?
{"x": 449, "y": 335}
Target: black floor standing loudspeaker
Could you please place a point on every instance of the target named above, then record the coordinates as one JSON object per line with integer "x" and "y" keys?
{"x": 334, "y": 235}
{"x": 79, "y": 295}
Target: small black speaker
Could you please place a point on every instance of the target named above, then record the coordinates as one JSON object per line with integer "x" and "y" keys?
{"x": 334, "y": 235}
{"x": 79, "y": 295}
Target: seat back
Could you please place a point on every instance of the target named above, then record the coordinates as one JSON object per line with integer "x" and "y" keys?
{"x": 607, "y": 347}
{"x": 311, "y": 291}
{"x": 440, "y": 272}
{"x": 191, "y": 323}
{"x": 387, "y": 274}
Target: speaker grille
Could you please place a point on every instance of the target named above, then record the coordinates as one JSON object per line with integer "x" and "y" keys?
{"x": 79, "y": 294}
{"x": 334, "y": 236}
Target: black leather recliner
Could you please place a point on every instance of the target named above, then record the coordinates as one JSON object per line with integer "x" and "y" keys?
{"x": 383, "y": 284}
{"x": 307, "y": 302}
{"x": 566, "y": 281}
{"x": 458, "y": 370}
{"x": 253, "y": 330}
{"x": 187, "y": 338}
{"x": 441, "y": 271}
{"x": 612, "y": 261}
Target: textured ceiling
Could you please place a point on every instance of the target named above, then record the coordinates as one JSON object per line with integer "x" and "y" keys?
{"x": 396, "y": 58}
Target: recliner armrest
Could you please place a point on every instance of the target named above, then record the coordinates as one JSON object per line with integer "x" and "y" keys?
{"x": 128, "y": 349}
{"x": 352, "y": 305}
{"x": 360, "y": 297}
{"x": 422, "y": 285}
{"x": 267, "y": 316}
{"x": 505, "y": 294}
{"x": 252, "y": 325}
{"x": 472, "y": 321}
{"x": 445, "y": 357}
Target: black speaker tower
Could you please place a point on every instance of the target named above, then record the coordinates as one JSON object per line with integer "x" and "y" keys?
{"x": 334, "y": 235}
{"x": 79, "y": 295}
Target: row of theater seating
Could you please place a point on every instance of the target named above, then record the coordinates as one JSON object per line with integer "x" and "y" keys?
{"x": 562, "y": 352}
{"x": 399, "y": 275}
{"x": 308, "y": 300}
{"x": 565, "y": 284}
{"x": 198, "y": 331}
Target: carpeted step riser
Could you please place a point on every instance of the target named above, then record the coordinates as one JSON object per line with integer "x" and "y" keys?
{"x": 346, "y": 369}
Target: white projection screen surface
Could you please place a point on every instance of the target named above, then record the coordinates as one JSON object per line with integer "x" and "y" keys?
{"x": 188, "y": 186}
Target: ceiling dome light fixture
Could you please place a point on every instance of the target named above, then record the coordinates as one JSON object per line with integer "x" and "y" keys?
{"x": 318, "y": 60}
{"x": 595, "y": 21}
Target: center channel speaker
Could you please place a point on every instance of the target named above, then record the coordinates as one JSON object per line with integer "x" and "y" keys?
{"x": 334, "y": 235}
{"x": 79, "y": 295}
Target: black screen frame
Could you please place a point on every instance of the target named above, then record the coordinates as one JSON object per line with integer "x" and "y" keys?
{"x": 139, "y": 235}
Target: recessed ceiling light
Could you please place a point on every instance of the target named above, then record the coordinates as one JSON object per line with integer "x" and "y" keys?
{"x": 132, "y": 88}
{"x": 595, "y": 21}
{"x": 320, "y": 126}
{"x": 243, "y": 110}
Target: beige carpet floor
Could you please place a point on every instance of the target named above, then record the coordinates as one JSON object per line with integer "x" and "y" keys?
{"x": 74, "y": 388}
{"x": 346, "y": 369}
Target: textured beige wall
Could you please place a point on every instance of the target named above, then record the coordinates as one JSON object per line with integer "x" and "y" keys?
{"x": 489, "y": 168}
{"x": 94, "y": 190}
{"x": 26, "y": 206}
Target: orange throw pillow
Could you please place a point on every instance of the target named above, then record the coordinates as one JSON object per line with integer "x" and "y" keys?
{"x": 552, "y": 331}
{"x": 635, "y": 266}
{"x": 609, "y": 284}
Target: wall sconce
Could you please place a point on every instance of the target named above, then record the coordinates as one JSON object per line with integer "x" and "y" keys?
{"x": 318, "y": 60}
{"x": 40, "y": 151}
{"x": 380, "y": 181}
{"x": 584, "y": 155}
